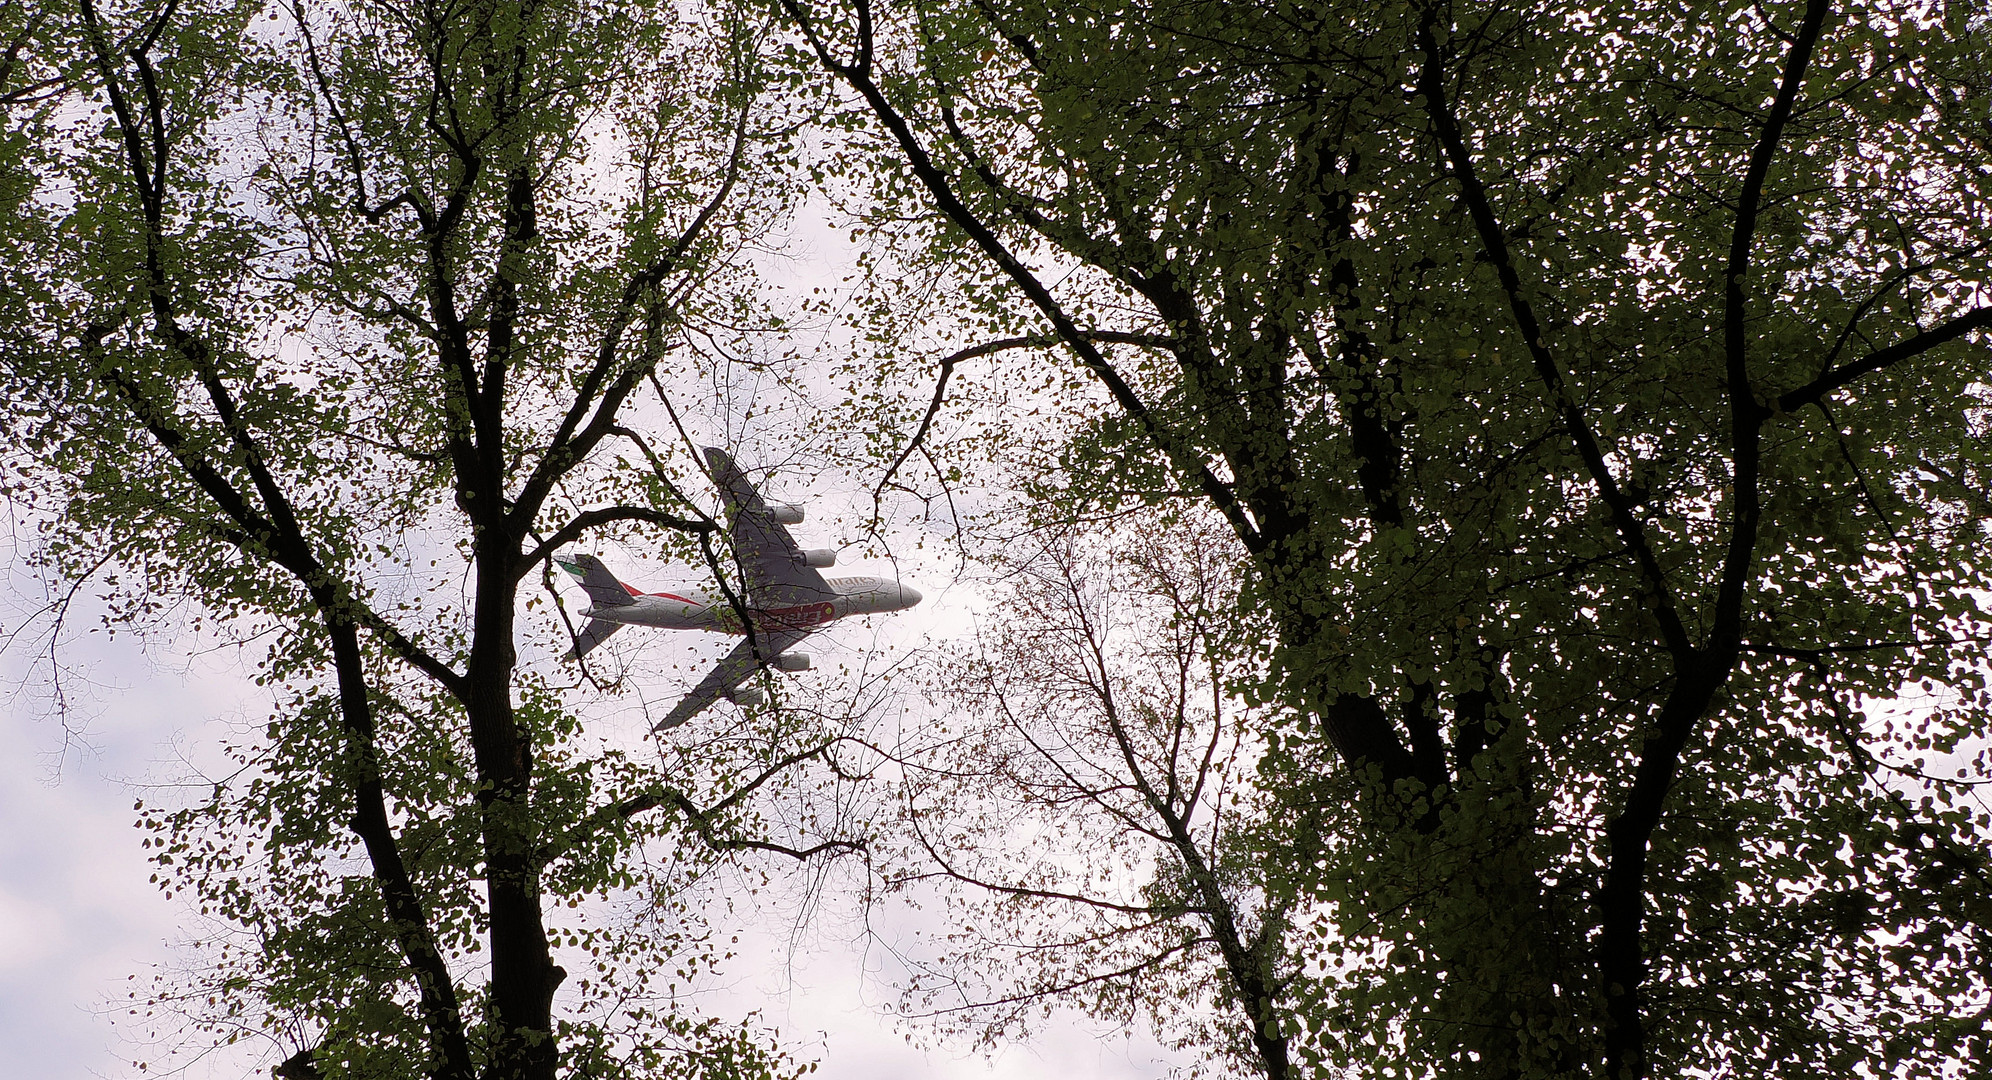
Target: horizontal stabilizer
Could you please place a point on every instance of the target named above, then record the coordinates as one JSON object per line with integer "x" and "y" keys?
{"x": 596, "y": 632}
{"x": 601, "y": 586}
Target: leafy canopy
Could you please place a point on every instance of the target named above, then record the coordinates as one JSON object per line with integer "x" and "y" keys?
{"x": 1596, "y": 396}
{"x": 323, "y": 325}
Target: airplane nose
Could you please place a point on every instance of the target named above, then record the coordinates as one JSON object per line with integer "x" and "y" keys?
{"x": 908, "y": 595}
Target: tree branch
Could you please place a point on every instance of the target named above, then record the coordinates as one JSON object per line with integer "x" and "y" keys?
{"x": 572, "y": 440}
{"x": 1182, "y": 456}
{"x": 436, "y": 990}
{"x": 948, "y": 870}
{"x": 588, "y": 519}
{"x": 259, "y": 536}
{"x": 1978, "y": 318}
{"x": 1431, "y": 84}
{"x": 987, "y": 348}
{"x": 1621, "y": 897}
{"x": 1746, "y": 413}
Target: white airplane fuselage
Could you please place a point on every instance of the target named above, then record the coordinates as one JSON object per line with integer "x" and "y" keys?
{"x": 692, "y": 608}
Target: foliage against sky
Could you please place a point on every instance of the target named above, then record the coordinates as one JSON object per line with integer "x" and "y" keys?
{"x": 324, "y": 323}
{"x": 1593, "y": 397}
{"x": 1595, "y": 394}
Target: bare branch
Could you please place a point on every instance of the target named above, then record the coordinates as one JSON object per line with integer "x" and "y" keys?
{"x": 948, "y": 870}
{"x": 1145, "y": 964}
{"x": 987, "y": 348}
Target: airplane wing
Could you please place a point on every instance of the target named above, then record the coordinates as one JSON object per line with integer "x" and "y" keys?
{"x": 739, "y": 665}
{"x": 769, "y": 558}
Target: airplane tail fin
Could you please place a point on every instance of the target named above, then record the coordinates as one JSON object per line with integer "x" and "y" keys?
{"x": 601, "y": 586}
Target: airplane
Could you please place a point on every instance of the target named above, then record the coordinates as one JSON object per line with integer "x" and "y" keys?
{"x": 784, "y": 600}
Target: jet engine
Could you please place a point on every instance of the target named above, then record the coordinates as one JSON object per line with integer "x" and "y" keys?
{"x": 791, "y": 661}
{"x": 785, "y": 513}
{"x": 746, "y": 695}
{"x": 819, "y": 557}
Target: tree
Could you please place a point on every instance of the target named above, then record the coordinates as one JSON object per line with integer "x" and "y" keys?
{"x": 329, "y": 320}
{"x": 1597, "y": 400}
{"x": 1088, "y": 722}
